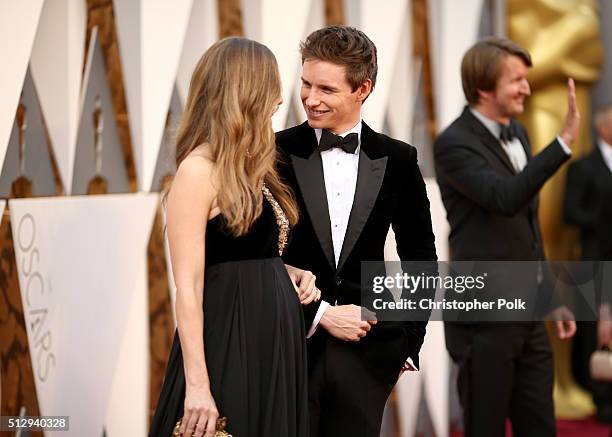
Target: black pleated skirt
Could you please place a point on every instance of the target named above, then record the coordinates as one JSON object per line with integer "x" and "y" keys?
{"x": 255, "y": 347}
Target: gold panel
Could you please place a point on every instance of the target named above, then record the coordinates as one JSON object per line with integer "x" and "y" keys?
{"x": 230, "y": 18}
{"x": 16, "y": 374}
{"x": 100, "y": 13}
{"x": 421, "y": 50}
{"x": 161, "y": 323}
{"x": 334, "y": 12}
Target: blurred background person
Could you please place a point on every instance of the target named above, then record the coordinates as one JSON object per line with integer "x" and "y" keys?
{"x": 588, "y": 192}
{"x": 489, "y": 183}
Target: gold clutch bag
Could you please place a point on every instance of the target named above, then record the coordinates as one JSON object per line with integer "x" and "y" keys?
{"x": 219, "y": 431}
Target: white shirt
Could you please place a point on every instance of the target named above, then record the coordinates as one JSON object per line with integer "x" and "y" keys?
{"x": 606, "y": 152}
{"x": 513, "y": 148}
{"x": 340, "y": 174}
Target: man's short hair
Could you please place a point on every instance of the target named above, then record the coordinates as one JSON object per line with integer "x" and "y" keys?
{"x": 345, "y": 46}
{"x": 481, "y": 65}
{"x": 602, "y": 114}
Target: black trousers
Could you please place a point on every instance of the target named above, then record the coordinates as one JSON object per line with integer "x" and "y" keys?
{"x": 505, "y": 371}
{"x": 349, "y": 383}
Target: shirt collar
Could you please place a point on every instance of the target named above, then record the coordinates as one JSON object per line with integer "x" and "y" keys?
{"x": 355, "y": 129}
{"x": 606, "y": 152}
{"x": 492, "y": 125}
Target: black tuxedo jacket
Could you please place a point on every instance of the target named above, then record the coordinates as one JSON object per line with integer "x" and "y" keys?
{"x": 390, "y": 191}
{"x": 492, "y": 210}
{"x": 588, "y": 196}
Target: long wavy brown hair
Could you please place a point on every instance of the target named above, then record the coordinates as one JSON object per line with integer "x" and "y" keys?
{"x": 232, "y": 94}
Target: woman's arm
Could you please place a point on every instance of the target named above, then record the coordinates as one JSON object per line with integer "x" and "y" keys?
{"x": 190, "y": 202}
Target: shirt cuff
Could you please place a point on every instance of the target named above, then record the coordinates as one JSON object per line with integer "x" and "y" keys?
{"x": 564, "y": 146}
{"x": 315, "y": 323}
{"x": 409, "y": 366}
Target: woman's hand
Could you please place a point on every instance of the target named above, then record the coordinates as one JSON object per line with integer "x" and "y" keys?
{"x": 304, "y": 283}
{"x": 201, "y": 414}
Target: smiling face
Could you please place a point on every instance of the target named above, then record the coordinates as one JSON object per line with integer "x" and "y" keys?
{"x": 327, "y": 97}
{"x": 508, "y": 98}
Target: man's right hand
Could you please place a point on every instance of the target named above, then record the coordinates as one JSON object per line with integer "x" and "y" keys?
{"x": 572, "y": 119}
{"x": 344, "y": 322}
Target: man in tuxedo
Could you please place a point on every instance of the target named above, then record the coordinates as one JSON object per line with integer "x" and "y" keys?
{"x": 489, "y": 182}
{"x": 588, "y": 194}
{"x": 351, "y": 184}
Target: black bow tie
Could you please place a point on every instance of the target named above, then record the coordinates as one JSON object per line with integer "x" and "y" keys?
{"x": 507, "y": 132}
{"x": 329, "y": 140}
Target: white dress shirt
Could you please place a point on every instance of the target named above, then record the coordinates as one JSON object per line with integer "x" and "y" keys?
{"x": 606, "y": 152}
{"x": 340, "y": 174}
{"x": 513, "y": 148}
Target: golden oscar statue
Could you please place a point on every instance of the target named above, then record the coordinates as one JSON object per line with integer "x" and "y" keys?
{"x": 563, "y": 39}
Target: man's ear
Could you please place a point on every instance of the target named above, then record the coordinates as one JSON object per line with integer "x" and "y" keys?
{"x": 364, "y": 90}
{"x": 484, "y": 96}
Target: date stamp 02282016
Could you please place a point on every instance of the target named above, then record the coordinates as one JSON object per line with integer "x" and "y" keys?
{"x": 34, "y": 423}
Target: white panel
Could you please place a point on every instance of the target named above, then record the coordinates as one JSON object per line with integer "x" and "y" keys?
{"x": 128, "y": 404}
{"x": 202, "y": 32}
{"x": 436, "y": 370}
{"x": 2, "y": 205}
{"x": 295, "y": 110}
{"x": 80, "y": 261}
{"x": 56, "y": 64}
{"x": 151, "y": 35}
{"x": 435, "y": 364}
{"x": 408, "y": 394}
{"x": 283, "y": 37}
{"x": 441, "y": 228}
{"x": 404, "y": 79}
{"x": 383, "y": 23}
{"x": 448, "y": 47}
{"x": 129, "y": 25}
{"x": 164, "y": 25}
{"x": 251, "y": 11}
{"x": 18, "y": 22}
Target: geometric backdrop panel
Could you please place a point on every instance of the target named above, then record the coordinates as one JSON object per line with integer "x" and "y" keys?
{"x": 202, "y": 32}
{"x": 80, "y": 260}
{"x": 384, "y": 23}
{"x": 28, "y": 154}
{"x": 283, "y": 36}
{"x": 448, "y": 47}
{"x": 151, "y": 35}
{"x": 57, "y": 67}
{"x": 18, "y": 22}
{"x": 98, "y": 151}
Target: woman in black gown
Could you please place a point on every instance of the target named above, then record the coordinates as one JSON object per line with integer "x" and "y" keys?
{"x": 239, "y": 350}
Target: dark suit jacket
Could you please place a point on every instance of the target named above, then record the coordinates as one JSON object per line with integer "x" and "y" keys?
{"x": 492, "y": 210}
{"x": 588, "y": 196}
{"x": 390, "y": 191}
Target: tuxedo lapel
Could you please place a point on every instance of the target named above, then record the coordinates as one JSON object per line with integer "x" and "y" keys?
{"x": 309, "y": 175}
{"x": 370, "y": 175}
{"x": 488, "y": 139}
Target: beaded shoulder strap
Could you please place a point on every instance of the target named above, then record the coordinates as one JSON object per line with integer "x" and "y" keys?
{"x": 281, "y": 219}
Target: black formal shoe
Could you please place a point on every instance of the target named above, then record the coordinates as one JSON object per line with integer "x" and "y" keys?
{"x": 604, "y": 413}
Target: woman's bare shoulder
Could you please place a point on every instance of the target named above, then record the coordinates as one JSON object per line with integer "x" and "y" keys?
{"x": 196, "y": 173}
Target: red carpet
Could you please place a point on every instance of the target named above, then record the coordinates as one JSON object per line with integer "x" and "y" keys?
{"x": 582, "y": 428}
{"x": 570, "y": 428}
